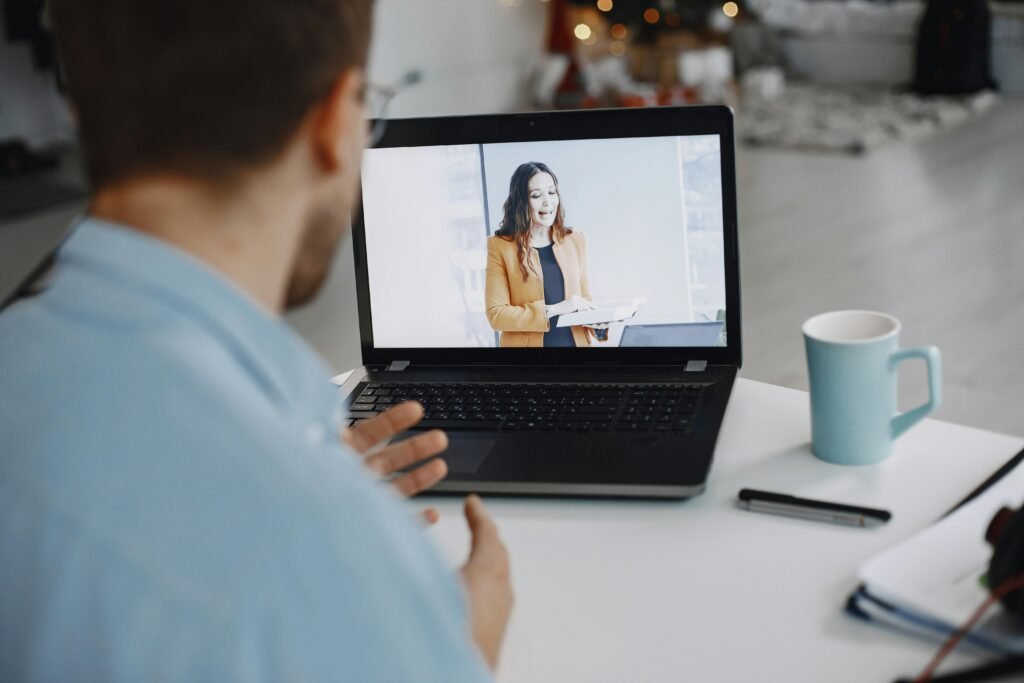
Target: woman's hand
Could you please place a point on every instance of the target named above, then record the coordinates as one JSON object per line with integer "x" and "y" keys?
{"x": 368, "y": 436}
{"x": 571, "y": 305}
{"x": 600, "y": 331}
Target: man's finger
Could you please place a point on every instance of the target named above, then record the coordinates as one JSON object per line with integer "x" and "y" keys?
{"x": 400, "y": 455}
{"x": 482, "y": 529}
{"x": 366, "y": 434}
{"x": 421, "y": 478}
{"x": 430, "y": 516}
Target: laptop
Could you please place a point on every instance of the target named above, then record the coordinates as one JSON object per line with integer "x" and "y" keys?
{"x": 476, "y": 234}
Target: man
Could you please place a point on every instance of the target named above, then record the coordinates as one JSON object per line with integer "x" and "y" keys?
{"x": 174, "y": 500}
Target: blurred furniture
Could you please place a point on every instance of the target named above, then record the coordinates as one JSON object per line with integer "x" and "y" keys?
{"x": 26, "y": 241}
{"x": 36, "y": 214}
{"x": 852, "y": 42}
{"x": 24, "y": 194}
{"x": 30, "y": 107}
{"x": 1008, "y": 46}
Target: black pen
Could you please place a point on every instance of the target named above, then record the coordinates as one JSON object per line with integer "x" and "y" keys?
{"x": 815, "y": 510}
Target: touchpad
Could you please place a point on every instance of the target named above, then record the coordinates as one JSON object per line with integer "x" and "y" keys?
{"x": 466, "y": 454}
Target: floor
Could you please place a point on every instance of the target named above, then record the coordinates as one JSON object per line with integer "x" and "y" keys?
{"x": 931, "y": 231}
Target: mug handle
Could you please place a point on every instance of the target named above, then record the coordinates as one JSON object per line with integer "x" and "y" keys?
{"x": 931, "y": 356}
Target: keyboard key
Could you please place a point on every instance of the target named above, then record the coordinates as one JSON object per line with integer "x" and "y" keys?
{"x": 560, "y": 407}
{"x": 459, "y": 425}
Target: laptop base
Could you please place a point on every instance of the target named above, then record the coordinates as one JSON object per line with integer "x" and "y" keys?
{"x": 597, "y": 464}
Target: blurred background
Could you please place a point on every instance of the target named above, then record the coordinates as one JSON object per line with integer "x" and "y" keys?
{"x": 880, "y": 154}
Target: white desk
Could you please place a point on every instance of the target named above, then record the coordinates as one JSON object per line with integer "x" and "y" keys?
{"x": 702, "y": 591}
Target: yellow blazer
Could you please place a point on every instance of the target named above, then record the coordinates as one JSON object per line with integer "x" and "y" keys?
{"x": 515, "y": 307}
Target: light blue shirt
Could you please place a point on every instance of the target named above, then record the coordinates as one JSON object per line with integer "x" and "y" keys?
{"x": 174, "y": 501}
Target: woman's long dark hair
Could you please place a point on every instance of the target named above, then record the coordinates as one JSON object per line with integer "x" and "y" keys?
{"x": 515, "y": 224}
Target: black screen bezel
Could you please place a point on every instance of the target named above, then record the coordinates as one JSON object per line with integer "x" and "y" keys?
{"x": 565, "y": 125}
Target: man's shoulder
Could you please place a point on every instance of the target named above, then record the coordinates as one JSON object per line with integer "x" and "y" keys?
{"x": 76, "y": 349}
{"x": 102, "y": 405}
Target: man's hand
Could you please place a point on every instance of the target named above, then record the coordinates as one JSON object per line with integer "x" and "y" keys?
{"x": 367, "y": 437}
{"x": 488, "y": 582}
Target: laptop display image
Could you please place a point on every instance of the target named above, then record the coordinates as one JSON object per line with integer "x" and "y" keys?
{"x": 559, "y": 290}
{"x": 647, "y": 213}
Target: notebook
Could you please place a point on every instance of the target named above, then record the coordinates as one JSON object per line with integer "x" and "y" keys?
{"x": 933, "y": 582}
{"x": 603, "y": 312}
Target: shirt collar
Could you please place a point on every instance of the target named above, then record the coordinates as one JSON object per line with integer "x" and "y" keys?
{"x": 288, "y": 370}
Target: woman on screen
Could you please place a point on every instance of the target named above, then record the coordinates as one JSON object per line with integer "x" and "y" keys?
{"x": 536, "y": 266}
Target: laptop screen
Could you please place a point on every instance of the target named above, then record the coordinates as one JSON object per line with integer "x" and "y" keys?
{"x": 600, "y": 243}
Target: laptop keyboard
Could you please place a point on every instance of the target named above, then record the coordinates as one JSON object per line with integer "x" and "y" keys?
{"x": 502, "y": 406}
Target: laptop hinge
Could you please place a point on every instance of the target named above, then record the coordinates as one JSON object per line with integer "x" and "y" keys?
{"x": 397, "y": 365}
{"x": 696, "y": 366}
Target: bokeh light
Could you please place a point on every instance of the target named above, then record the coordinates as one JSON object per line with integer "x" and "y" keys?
{"x": 582, "y": 31}
{"x": 619, "y": 31}
{"x": 651, "y": 15}
{"x": 617, "y": 48}
{"x": 604, "y": 5}
{"x": 731, "y": 9}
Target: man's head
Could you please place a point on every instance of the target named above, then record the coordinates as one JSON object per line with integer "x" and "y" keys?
{"x": 216, "y": 92}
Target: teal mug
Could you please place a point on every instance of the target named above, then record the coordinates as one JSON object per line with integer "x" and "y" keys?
{"x": 852, "y": 363}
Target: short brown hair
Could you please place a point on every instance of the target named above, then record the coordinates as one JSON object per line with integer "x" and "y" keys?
{"x": 206, "y": 88}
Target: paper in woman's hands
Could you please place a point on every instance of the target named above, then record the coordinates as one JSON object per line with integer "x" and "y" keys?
{"x": 604, "y": 312}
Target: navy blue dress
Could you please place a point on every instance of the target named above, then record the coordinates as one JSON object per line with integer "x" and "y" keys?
{"x": 554, "y": 292}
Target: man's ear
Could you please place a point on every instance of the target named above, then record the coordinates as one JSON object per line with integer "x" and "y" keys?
{"x": 339, "y": 120}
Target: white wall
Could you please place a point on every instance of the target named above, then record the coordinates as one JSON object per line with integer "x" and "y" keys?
{"x": 475, "y": 56}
